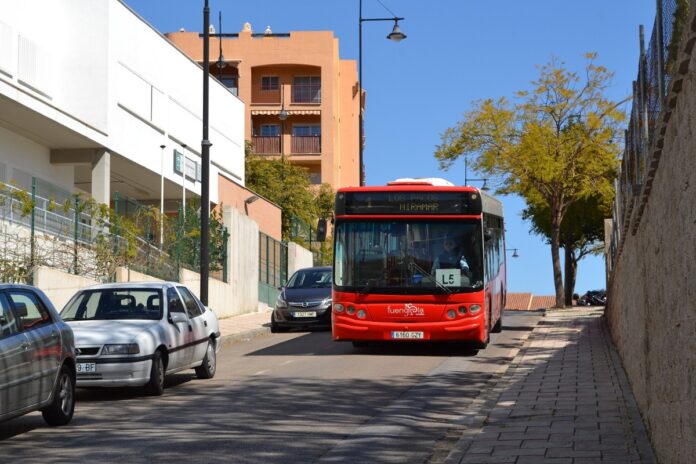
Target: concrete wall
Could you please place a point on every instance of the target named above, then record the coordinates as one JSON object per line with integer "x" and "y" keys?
{"x": 298, "y": 258}
{"x": 652, "y": 288}
{"x": 59, "y": 286}
{"x": 124, "y": 274}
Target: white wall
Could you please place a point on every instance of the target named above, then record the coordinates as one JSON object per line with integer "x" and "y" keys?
{"x": 298, "y": 258}
{"x": 99, "y": 70}
{"x": 59, "y": 286}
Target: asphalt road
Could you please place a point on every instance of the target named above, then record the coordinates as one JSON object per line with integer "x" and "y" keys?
{"x": 295, "y": 397}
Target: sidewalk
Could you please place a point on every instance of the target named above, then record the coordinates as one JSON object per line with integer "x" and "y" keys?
{"x": 244, "y": 327}
{"x": 564, "y": 399}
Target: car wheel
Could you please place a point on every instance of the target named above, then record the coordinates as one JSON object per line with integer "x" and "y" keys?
{"x": 275, "y": 328}
{"x": 61, "y": 409}
{"x": 207, "y": 369}
{"x": 155, "y": 386}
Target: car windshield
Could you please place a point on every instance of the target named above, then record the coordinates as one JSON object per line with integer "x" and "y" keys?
{"x": 119, "y": 304}
{"x": 310, "y": 278}
{"x": 409, "y": 257}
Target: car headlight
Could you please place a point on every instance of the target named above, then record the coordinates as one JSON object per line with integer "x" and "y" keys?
{"x": 123, "y": 348}
{"x": 280, "y": 302}
{"x": 326, "y": 302}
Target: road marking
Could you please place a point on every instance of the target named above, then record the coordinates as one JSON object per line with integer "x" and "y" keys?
{"x": 260, "y": 372}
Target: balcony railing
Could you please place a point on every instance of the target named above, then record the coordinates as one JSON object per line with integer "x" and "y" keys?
{"x": 306, "y": 144}
{"x": 266, "y": 145}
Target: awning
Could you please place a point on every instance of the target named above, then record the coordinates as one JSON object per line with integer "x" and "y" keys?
{"x": 289, "y": 112}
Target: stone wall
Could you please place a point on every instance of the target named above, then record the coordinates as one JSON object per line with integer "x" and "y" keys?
{"x": 652, "y": 290}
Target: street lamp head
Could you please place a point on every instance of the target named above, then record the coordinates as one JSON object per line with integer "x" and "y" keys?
{"x": 283, "y": 115}
{"x": 396, "y": 35}
{"x": 485, "y": 187}
{"x": 221, "y": 63}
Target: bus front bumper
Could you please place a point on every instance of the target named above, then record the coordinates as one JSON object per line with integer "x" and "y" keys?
{"x": 464, "y": 329}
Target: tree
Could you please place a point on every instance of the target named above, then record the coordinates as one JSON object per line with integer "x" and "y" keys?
{"x": 287, "y": 185}
{"x": 582, "y": 229}
{"x": 557, "y": 144}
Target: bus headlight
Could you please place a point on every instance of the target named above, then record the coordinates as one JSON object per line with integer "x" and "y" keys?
{"x": 338, "y": 307}
{"x": 361, "y": 314}
{"x": 462, "y": 310}
{"x": 473, "y": 309}
{"x": 351, "y": 310}
{"x": 451, "y": 313}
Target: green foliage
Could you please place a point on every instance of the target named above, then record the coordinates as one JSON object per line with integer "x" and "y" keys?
{"x": 288, "y": 185}
{"x": 554, "y": 145}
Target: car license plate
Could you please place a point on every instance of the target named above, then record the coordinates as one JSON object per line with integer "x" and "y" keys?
{"x": 305, "y": 314}
{"x": 407, "y": 335}
{"x": 84, "y": 368}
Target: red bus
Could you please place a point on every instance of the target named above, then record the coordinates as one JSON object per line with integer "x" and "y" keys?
{"x": 418, "y": 260}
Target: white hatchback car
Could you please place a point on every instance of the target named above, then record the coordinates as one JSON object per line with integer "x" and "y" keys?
{"x": 133, "y": 334}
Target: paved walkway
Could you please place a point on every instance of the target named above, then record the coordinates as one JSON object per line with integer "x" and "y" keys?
{"x": 565, "y": 398}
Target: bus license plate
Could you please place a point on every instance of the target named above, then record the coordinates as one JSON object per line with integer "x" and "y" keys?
{"x": 85, "y": 368}
{"x": 407, "y": 335}
{"x": 305, "y": 314}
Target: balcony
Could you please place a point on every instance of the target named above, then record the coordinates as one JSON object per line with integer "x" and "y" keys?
{"x": 302, "y": 145}
{"x": 266, "y": 145}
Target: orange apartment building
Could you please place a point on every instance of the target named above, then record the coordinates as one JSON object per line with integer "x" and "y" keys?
{"x": 301, "y": 98}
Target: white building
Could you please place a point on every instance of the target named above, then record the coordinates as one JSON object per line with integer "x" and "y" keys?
{"x": 88, "y": 94}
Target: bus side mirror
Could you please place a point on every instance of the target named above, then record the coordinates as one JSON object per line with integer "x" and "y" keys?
{"x": 487, "y": 234}
{"x": 321, "y": 230}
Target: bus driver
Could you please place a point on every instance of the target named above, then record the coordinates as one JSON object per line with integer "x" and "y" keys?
{"x": 451, "y": 257}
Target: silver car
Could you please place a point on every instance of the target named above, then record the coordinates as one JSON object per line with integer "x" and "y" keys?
{"x": 133, "y": 334}
{"x": 37, "y": 357}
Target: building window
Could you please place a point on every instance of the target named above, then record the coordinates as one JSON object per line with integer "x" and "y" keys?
{"x": 270, "y": 130}
{"x": 269, "y": 82}
{"x": 306, "y": 131}
{"x": 231, "y": 83}
{"x": 315, "y": 178}
{"x": 306, "y": 89}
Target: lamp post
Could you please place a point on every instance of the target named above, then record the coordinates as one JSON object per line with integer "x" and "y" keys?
{"x": 183, "y": 182}
{"x": 162, "y": 195}
{"x": 484, "y": 187}
{"x": 397, "y": 36}
{"x": 205, "y": 160}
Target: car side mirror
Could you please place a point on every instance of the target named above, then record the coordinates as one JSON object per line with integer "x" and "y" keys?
{"x": 176, "y": 318}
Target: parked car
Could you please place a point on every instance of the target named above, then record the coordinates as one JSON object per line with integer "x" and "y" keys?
{"x": 305, "y": 301}
{"x": 133, "y": 334}
{"x": 37, "y": 357}
{"x": 593, "y": 298}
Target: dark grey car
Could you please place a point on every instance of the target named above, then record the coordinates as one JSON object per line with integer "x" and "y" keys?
{"x": 37, "y": 357}
{"x": 305, "y": 301}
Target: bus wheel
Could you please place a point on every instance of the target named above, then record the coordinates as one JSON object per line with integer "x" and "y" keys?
{"x": 498, "y": 327}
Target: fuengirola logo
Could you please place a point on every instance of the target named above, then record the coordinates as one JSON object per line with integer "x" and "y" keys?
{"x": 408, "y": 310}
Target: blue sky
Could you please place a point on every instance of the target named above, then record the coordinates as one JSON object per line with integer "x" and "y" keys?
{"x": 457, "y": 51}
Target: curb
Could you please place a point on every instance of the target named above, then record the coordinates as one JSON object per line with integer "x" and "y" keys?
{"x": 245, "y": 336}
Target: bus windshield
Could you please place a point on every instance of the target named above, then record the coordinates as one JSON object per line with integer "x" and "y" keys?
{"x": 408, "y": 256}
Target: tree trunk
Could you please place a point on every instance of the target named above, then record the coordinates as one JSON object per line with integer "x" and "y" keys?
{"x": 571, "y": 271}
{"x": 555, "y": 255}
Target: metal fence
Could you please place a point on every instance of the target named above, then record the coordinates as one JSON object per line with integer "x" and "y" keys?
{"x": 640, "y": 157}
{"x": 273, "y": 268}
{"x": 64, "y": 231}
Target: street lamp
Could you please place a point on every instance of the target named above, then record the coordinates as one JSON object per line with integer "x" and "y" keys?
{"x": 205, "y": 160}
{"x": 397, "y": 36}
{"x": 514, "y": 252}
{"x": 162, "y": 147}
{"x": 484, "y": 187}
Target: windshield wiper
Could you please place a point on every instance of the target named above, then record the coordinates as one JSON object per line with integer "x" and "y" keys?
{"x": 418, "y": 268}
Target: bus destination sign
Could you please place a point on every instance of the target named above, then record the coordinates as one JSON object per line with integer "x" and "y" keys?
{"x": 408, "y": 203}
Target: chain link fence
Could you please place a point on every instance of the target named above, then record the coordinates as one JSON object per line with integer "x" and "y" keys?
{"x": 650, "y": 88}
